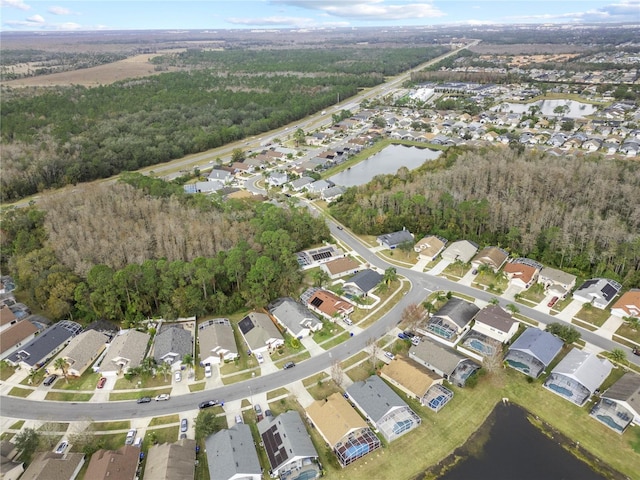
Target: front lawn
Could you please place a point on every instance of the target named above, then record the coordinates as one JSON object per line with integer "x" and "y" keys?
{"x": 6, "y": 370}
{"x": 146, "y": 381}
{"x": 456, "y": 270}
{"x": 87, "y": 381}
{"x": 627, "y": 332}
{"x": 68, "y": 396}
{"x": 490, "y": 281}
{"x": 534, "y": 294}
{"x": 593, "y": 315}
{"x": 106, "y": 426}
{"x": 328, "y": 330}
{"x": 320, "y": 391}
{"x": 164, "y": 420}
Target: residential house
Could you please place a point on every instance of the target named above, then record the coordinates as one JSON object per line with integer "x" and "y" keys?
{"x": 319, "y": 185}
{"x": 340, "y": 267}
{"x": 288, "y": 446}
{"x": 557, "y": 282}
{"x": 299, "y": 184}
{"x": 18, "y": 334}
{"x": 332, "y": 193}
{"x": 430, "y": 246}
{"x": 217, "y": 341}
{"x": 578, "y": 375}
{"x": 492, "y": 257}
{"x": 597, "y": 291}
{"x": 362, "y": 283}
{"x": 451, "y": 320}
{"x": 80, "y": 353}
{"x": 342, "y": 428}
{"x": 460, "y": 251}
{"x": 295, "y": 318}
{"x": 120, "y": 464}
{"x": 619, "y": 405}
{"x": 533, "y": 351}
{"x": 7, "y": 318}
{"x": 10, "y": 469}
{"x": 260, "y": 333}
{"x": 170, "y": 461}
{"x": 628, "y": 305}
{"x": 49, "y": 465}
{"x": 411, "y": 377}
{"x": 317, "y": 256}
{"x": 522, "y": 272}
{"x": 34, "y": 354}
{"x": 495, "y": 322}
{"x": 172, "y": 344}
{"x": 277, "y": 179}
{"x": 223, "y": 176}
{"x": 446, "y": 362}
{"x": 126, "y": 351}
{"x": 387, "y": 412}
{"x": 231, "y": 454}
{"x": 326, "y": 303}
{"x": 394, "y": 239}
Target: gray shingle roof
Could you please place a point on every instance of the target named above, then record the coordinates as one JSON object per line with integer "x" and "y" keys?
{"x": 432, "y": 353}
{"x": 496, "y": 317}
{"x": 540, "y": 344}
{"x": 375, "y": 397}
{"x": 627, "y": 389}
{"x": 585, "y": 368}
{"x": 232, "y": 453}
{"x": 394, "y": 239}
{"x": 173, "y": 339}
{"x": 216, "y": 335}
{"x": 171, "y": 460}
{"x": 295, "y": 316}
{"x": 127, "y": 350}
{"x": 366, "y": 280}
{"x": 458, "y": 311}
{"x": 257, "y": 329}
{"x": 285, "y": 437}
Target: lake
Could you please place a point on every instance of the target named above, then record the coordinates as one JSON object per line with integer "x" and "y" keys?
{"x": 573, "y": 109}
{"x": 516, "y": 450}
{"x": 386, "y": 161}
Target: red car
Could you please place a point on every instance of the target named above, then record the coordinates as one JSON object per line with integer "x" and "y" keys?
{"x": 101, "y": 382}
{"x": 552, "y": 302}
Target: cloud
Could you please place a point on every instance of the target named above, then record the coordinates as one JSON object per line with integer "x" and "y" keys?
{"x": 273, "y": 21}
{"x": 36, "y": 19}
{"x": 368, "y": 10}
{"x": 56, "y": 10}
{"x": 622, "y": 12}
{"x": 19, "y": 4}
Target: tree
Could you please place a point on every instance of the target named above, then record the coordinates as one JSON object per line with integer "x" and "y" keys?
{"x": 299, "y": 137}
{"x": 567, "y": 333}
{"x": 237, "y": 155}
{"x": 374, "y": 350}
{"x": 207, "y": 422}
{"x": 412, "y": 315}
{"x": 27, "y": 441}
{"x": 320, "y": 278}
{"x": 494, "y": 301}
{"x": 390, "y": 275}
{"x": 62, "y": 365}
{"x": 512, "y": 308}
{"x": 337, "y": 373}
{"x": 632, "y": 322}
{"x": 618, "y": 355}
{"x": 187, "y": 360}
{"x": 164, "y": 368}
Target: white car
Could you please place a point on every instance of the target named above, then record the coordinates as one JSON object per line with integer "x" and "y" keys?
{"x": 178, "y": 376}
{"x": 259, "y": 357}
{"x": 389, "y": 355}
{"x": 163, "y": 396}
{"x": 62, "y": 447}
{"x": 207, "y": 370}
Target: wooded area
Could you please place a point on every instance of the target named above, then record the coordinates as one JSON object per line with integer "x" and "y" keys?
{"x": 64, "y": 136}
{"x": 116, "y": 252}
{"x": 579, "y": 214}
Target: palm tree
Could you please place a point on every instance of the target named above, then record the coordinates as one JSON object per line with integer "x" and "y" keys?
{"x": 494, "y": 301}
{"x": 187, "y": 360}
{"x": 512, "y": 308}
{"x": 390, "y": 275}
{"x": 164, "y": 368}
{"x": 62, "y": 365}
{"x": 633, "y": 322}
{"x": 618, "y": 355}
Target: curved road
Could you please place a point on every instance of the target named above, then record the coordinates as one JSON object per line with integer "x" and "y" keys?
{"x": 421, "y": 285}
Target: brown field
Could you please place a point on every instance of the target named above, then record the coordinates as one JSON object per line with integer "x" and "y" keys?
{"x": 527, "y": 49}
{"x": 522, "y": 60}
{"x": 133, "y": 67}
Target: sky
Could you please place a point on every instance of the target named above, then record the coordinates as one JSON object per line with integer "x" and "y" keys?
{"x": 81, "y": 15}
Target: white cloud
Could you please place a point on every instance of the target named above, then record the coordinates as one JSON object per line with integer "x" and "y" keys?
{"x": 56, "y": 10}
{"x": 624, "y": 11}
{"x": 68, "y": 26}
{"x": 36, "y": 19}
{"x": 376, "y": 10}
{"x": 19, "y": 4}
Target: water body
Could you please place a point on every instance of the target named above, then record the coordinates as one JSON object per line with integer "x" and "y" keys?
{"x": 386, "y": 161}
{"x": 516, "y": 450}
{"x": 572, "y": 109}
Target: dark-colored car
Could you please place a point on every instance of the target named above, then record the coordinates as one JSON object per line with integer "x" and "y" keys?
{"x": 409, "y": 334}
{"x": 49, "y": 380}
{"x": 636, "y": 351}
{"x": 552, "y": 302}
{"x": 289, "y": 365}
{"x": 144, "y": 400}
{"x": 339, "y": 227}
{"x": 403, "y": 336}
{"x": 209, "y": 403}
{"x": 267, "y": 413}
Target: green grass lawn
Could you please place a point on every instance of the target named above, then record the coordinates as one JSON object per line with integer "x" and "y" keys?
{"x": 155, "y": 421}
{"x": 627, "y": 332}
{"x": 54, "y": 427}
{"x": 37, "y": 379}
{"x": 277, "y": 393}
{"x": 362, "y": 371}
{"x": 296, "y": 358}
{"x": 337, "y": 340}
{"x": 313, "y": 380}
{"x": 114, "y": 396}
{"x": 20, "y": 392}
{"x": 197, "y": 387}
{"x": 161, "y": 435}
{"x": 324, "y": 390}
{"x": 491, "y": 282}
{"x": 146, "y": 381}
{"x": 353, "y": 360}
{"x": 534, "y": 294}
{"x": 456, "y": 270}
{"x": 238, "y": 377}
{"x": 396, "y": 291}
{"x": 68, "y": 396}
{"x": 328, "y": 330}
{"x": 106, "y": 426}
{"x": 87, "y": 381}
{"x": 6, "y": 371}
{"x": 17, "y": 426}
{"x": 593, "y": 315}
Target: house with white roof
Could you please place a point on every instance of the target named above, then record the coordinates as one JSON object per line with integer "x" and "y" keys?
{"x": 597, "y": 291}
{"x": 260, "y": 333}
{"x": 462, "y": 251}
{"x": 619, "y": 405}
{"x": 217, "y": 341}
{"x": 126, "y": 351}
{"x": 297, "y": 319}
{"x": 231, "y": 454}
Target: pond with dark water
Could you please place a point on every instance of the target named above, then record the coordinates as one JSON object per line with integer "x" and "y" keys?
{"x": 386, "y": 161}
{"x": 516, "y": 450}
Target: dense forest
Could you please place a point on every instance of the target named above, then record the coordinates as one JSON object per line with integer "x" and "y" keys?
{"x": 68, "y": 135}
{"x": 580, "y": 214}
{"x": 122, "y": 254}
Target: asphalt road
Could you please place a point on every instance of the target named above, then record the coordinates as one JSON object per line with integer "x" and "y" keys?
{"x": 422, "y": 284}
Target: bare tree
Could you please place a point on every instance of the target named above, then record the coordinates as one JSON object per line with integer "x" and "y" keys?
{"x": 337, "y": 373}
{"x": 374, "y": 350}
{"x": 413, "y": 314}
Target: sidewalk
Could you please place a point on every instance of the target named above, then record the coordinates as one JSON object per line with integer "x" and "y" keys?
{"x": 609, "y": 327}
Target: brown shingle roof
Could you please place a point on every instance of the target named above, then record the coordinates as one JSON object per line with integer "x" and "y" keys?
{"x": 629, "y": 302}
{"x": 54, "y": 466}
{"x": 6, "y": 316}
{"x": 521, "y": 271}
{"x": 118, "y": 464}
{"x": 329, "y": 303}
{"x": 413, "y": 377}
{"x": 15, "y": 334}
{"x": 341, "y": 265}
{"x": 334, "y": 418}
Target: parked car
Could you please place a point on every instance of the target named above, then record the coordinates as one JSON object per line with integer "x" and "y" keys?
{"x": 415, "y": 341}
{"x": 636, "y": 351}
{"x": 101, "y": 382}
{"x": 144, "y": 400}
{"x": 184, "y": 425}
{"x": 49, "y": 380}
{"x": 131, "y": 436}
{"x": 257, "y": 409}
{"x": 163, "y": 396}
{"x": 209, "y": 403}
{"x": 207, "y": 370}
{"x": 347, "y": 321}
{"x": 62, "y": 447}
{"x": 239, "y": 419}
{"x": 409, "y": 334}
{"x": 178, "y": 376}
{"x": 288, "y": 365}
{"x": 267, "y": 413}
{"x": 259, "y": 357}
{"x": 552, "y": 302}
{"x": 403, "y": 336}
{"x": 340, "y": 227}
{"x": 389, "y": 355}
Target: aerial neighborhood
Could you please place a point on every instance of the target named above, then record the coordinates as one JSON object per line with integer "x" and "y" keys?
{"x": 377, "y": 338}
